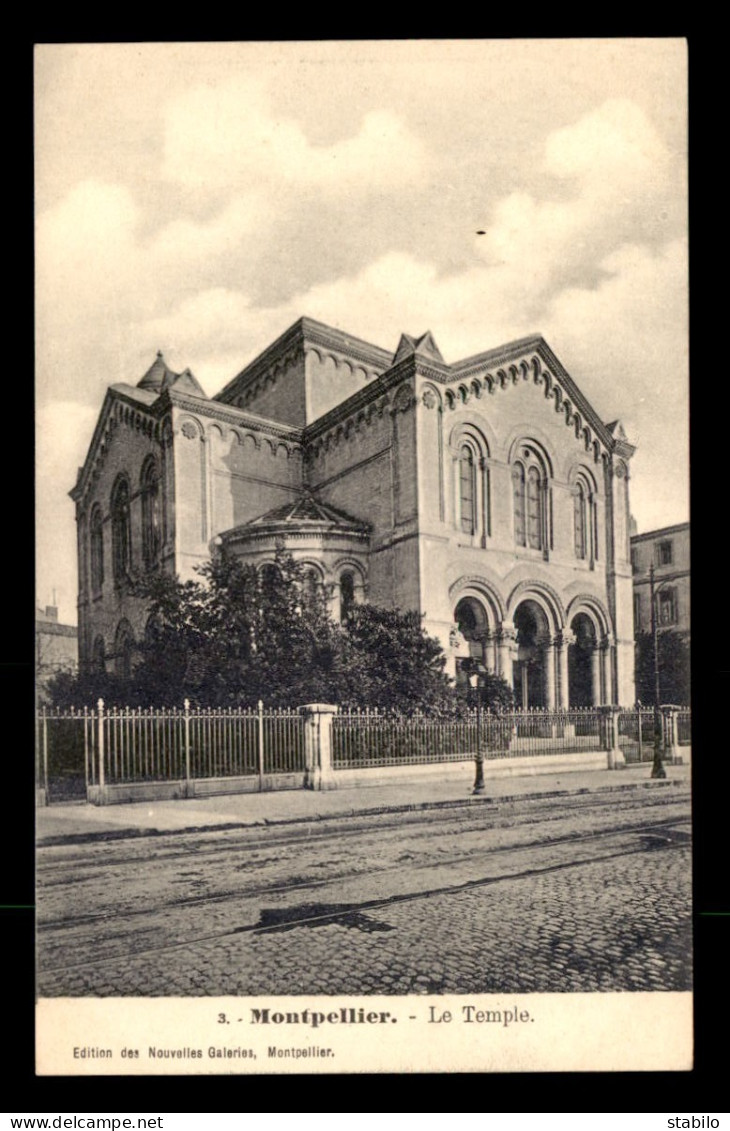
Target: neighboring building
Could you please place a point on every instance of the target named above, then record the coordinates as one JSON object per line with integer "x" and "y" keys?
{"x": 56, "y": 647}
{"x": 668, "y": 551}
{"x": 487, "y": 495}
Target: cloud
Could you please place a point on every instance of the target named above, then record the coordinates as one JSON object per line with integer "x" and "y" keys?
{"x": 63, "y": 434}
{"x": 228, "y": 135}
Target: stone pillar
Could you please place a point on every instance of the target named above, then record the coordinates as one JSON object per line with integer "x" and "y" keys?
{"x": 548, "y": 660}
{"x": 487, "y": 642}
{"x": 596, "y": 698}
{"x": 318, "y": 745}
{"x": 505, "y": 641}
{"x": 563, "y": 643}
{"x": 671, "y": 738}
{"x": 609, "y": 728}
{"x": 606, "y": 670}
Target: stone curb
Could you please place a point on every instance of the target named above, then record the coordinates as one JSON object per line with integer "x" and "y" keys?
{"x": 375, "y": 811}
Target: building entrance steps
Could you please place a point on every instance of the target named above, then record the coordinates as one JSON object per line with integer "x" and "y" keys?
{"x": 57, "y": 823}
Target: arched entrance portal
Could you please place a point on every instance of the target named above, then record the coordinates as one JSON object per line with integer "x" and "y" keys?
{"x": 583, "y": 660}
{"x": 530, "y": 668}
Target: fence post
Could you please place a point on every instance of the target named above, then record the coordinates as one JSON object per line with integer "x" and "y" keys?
{"x": 42, "y": 782}
{"x": 671, "y": 739}
{"x": 186, "y": 724}
{"x": 260, "y": 744}
{"x": 318, "y": 772}
{"x": 100, "y": 745}
{"x": 614, "y": 754}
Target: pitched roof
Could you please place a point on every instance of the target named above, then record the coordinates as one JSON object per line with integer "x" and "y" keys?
{"x": 305, "y": 510}
{"x": 159, "y": 376}
{"x": 425, "y": 345}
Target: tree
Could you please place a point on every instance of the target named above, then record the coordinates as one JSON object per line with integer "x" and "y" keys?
{"x": 674, "y": 667}
{"x": 240, "y": 634}
{"x": 390, "y": 661}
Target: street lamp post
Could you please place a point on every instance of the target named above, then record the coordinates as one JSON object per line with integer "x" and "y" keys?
{"x": 657, "y": 769}
{"x": 477, "y": 669}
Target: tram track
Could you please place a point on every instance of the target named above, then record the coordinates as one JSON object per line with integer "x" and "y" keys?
{"x": 339, "y": 828}
{"x": 284, "y": 888}
{"x": 658, "y": 835}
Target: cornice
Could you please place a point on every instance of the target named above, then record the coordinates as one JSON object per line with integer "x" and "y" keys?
{"x": 282, "y": 530}
{"x": 648, "y": 535}
{"x": 305, "y": 332}
{"x": 586, "y": 409}
{"x": 359, "y": 400}
{"x": 105, "y": 425}
{"x": 230, "y": 414}
{"x": 500, "y": 355}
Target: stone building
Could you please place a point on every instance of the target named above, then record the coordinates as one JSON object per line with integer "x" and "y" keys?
{"x": 668, "y": 551}
{"x": 56, "y": 647}
{"x": 486, "y": 494}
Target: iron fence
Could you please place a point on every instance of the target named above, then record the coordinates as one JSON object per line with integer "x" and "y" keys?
{"x": 124, "y": 745}
{"x": 684, "y": 727}
{"x": 379, "y": 738}
{"x": 636, "y": 735}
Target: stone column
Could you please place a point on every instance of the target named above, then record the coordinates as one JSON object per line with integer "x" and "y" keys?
{"x": 505, "y": 642}
{"x": 548, "y": 660}
{"x": 596, "y": 697}
{"x": 318, "y": 745}
{"x": 606, "y": 644}
{"x": 564, "y": 640}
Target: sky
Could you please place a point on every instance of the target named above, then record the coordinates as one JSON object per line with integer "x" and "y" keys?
{"x": 198, "y": 198}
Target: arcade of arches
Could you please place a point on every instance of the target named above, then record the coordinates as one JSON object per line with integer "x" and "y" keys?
{"x": 548, "y": 667}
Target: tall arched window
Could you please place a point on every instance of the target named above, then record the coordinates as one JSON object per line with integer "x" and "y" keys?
{"x": 98, "y": 657}
{"x": 96, "y": 537}
{"x": 470, "y": 456}
{"x": 580, "y": 520}
{"x": 347, "y": 593}
{"x": 121, "y": 530}
{"x": 518, "y": 495}
{"x": 151, "y": 533}
{"x": 467, "y": 489}
{"x": 530, "y": 497}
{"x": 534, "y": 509}
{"x": 585, "y": 518}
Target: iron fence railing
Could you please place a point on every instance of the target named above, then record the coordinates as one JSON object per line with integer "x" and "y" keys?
{"x": 123, "y": 745}
{"x": 684, "y": 727}
{"x": 379, "y": 738}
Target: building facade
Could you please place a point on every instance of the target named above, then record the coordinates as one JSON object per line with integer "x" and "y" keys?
{"x": 668, "y": 551}
{"x": 56, "y": 648}
{"x": 488, "y": 495}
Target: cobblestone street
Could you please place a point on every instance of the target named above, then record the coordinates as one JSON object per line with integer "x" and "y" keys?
{"x": 581, "y": 894}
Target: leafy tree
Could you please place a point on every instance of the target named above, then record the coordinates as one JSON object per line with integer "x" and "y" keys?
{"x": 390, "y": 661}
{"x": 240, "y": 634}
{"x": 674, "y": 667}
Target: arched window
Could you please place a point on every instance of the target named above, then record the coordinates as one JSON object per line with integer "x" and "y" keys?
{"x": 96, "y": 537}
{"x": 98, "y": 657}
{"x": 585, "y": 518}
{"x": 311, "y": 582}
{"x": 530, "y": 498}
{"x": 580, "y": 521}
{"x": 347, "y": 593}
{"x": 467, "y": 489}
{"x": 534, "y": 509}
{"x": 470, "y": 456}
{"x": 151, "y": 533}
{"x": 121, "y": 531}
{"x": 518, "y": 493}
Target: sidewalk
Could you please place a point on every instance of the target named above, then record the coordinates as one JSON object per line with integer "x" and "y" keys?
{"x": 58, "y": 822}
